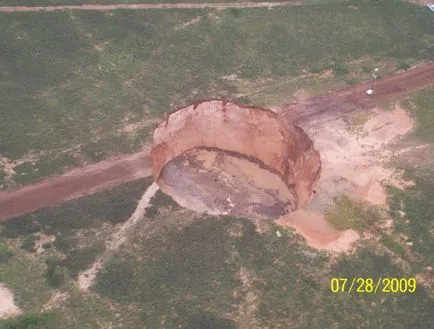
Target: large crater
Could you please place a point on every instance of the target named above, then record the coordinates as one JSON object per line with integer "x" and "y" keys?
{"x": 219, "y": 157}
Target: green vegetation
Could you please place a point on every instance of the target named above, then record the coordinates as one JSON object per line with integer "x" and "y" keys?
{"x": 418, "y": 206}
{"x": 74, "y": 225}
{"x": 348, "y": 214}
{"x": 340, "y": 69}
{"x": 5, "y": 253}
{"x": 29, "y": 243}
{"x": 30, "y": 321}
{"x": 159, "y": 201}
{"x": 420, "y": 106}
{"x": 193, "y": 272}
{"x": 31, "y": 171}
{"x": 24, "y": 274}
{"x": 56, "y": 274}
{"x": 403, "y": 66}
{"x": 86, "y": 85}
{"x": 200, "y": 269}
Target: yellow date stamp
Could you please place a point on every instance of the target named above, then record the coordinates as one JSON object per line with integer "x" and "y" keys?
{"x": 368, "y": 285}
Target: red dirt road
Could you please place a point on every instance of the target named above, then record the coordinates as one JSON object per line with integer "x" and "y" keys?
{"x": 143, "y": 6}
{"x": 336, "y": 104}
{"x": 79, "y": 182}
{"x": 94, "y": 178}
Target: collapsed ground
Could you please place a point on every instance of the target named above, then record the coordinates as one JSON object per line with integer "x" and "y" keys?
{"x": 210, "y": 157}
{"x": 241, "y": 279}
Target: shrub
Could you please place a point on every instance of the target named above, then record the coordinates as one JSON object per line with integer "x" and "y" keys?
{"x": 340, "y": 69}
{"x": 29, "y": 243}
{"x": 29, "y": 321}
{"x": 55, "y": 273}
{"x": 5, "y": 253}
{"x": 403, "y": 66}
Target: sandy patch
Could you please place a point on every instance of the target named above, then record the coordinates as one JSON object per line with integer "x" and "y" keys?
{"x": 189, "y": 23}
{"x": 87, "y": 278}
{"x": 245, "y": 314}
{"x": 55, "y": 300}
{"x": 318, "y": 232}
{"x": 355, "y": 163}
{"x": 374, "y": 193}
{"x": 7, "y": 305}
{"x": 301, "y": 95}
{"x": 327, "y": 74}
{"x": 421, "y": 2}
{"x": 42, "y": 239}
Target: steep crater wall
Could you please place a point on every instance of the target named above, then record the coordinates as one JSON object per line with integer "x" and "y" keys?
{"x": 219, "y": 157}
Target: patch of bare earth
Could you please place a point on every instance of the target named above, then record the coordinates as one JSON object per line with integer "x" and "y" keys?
{"x": 55, "y": 300}
{"x": 87, "y": 278}
{"x": 318, "y": 232}
{"x": 42, "y": 240}
{"x": 187, "y": 24}
{"x": 354, "y": 163}
{"x": 245, "y": 314}
{"x": 421, "y": 2}
{"x": 7, "y": 305}
{"x": 7, "y": 167}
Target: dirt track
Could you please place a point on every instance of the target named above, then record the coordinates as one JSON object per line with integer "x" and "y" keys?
{"x": 107, "y": 174}
{"x": 79, "y": 182}
{"x": 336, "y": 104}
{"x": 143, "y": 6}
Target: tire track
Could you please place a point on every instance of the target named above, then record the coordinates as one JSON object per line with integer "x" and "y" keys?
{"x": 145, "y": 6}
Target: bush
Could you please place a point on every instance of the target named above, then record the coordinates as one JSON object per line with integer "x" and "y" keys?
{"x": 5, "y": 253}
{"x": 403, "y": 66}
{"x": 55, "y": 273}
{"x": 340, "y": 69}
{"x": 345, "y": 215}
{"x": 29, "y": 243}
{"x": 29, "y": 321}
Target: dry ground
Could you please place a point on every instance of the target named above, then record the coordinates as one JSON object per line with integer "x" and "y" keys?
{"x": 7, "y": 305}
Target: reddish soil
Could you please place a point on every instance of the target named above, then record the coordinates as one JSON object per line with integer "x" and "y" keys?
{"x": 236, "y": 161}
{"x": 77, "y": 183}
{"x": 107, "y": 174}
{"x": 142, "y": 6}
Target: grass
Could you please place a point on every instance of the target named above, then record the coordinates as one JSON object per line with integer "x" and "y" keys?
{"x": 25, "y": 276}
{"x": 80, "y": 227}
{"x": 169, "y": 273}
{"x": 191, "y": 271}
{"x": 346, "y": 214}
{"x": 421, "y": 107}
{"x": 418, "y": 207}
{"x": 32, "y": 171}
{"x": 5, "y": 253}
{"x": 30, "y": 321}
{"x": 78, "y": 78}
{"x": 159, "y": 201}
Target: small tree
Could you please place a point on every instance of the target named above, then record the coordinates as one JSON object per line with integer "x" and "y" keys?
{"x": 5, "y": 252}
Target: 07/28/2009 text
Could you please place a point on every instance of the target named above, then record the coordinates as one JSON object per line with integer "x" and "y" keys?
{"x": 370, "y": 285}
